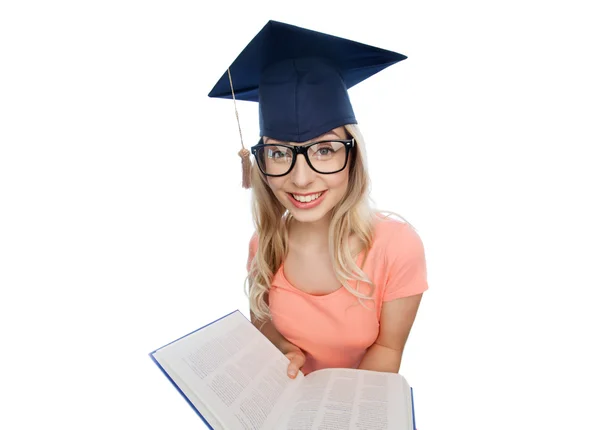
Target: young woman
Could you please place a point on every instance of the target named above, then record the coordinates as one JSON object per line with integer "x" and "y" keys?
{"x": 331, "y": 281}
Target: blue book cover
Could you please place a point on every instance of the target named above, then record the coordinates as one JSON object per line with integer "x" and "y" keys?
{"x": 412, "y": 403}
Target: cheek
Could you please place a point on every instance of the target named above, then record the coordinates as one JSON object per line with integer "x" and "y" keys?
{"x": 338, "y": 180}
{"x": 275, "y": 183}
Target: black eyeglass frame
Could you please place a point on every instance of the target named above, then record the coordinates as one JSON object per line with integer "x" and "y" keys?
{"x": 303, "y": 150}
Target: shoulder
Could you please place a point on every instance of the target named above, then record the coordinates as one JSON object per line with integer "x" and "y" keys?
{"x": 393, "y": 236}
{"x": 401, "y": 263}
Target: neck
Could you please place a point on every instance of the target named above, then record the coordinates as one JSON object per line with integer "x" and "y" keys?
{"x": 311, "y": 235}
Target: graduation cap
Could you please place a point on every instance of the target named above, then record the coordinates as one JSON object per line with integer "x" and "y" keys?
{"x": 300, "y": 79}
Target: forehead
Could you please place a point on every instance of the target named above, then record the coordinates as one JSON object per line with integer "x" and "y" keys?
{"x": 336, "y": 133}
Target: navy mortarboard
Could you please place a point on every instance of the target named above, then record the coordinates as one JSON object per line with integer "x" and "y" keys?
{"x": 300, "y": 79}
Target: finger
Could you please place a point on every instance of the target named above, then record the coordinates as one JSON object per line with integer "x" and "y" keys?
{"x": 297, "y": 360}
{"x": 292, "y": 370}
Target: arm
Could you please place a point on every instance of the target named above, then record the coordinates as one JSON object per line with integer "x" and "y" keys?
{"x": 397, "y": 317}
{"x": 403, "y": 286}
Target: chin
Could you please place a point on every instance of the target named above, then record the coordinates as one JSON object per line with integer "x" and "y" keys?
{"x": 310, "y": 216}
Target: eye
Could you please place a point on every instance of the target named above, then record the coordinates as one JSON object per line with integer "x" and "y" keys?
{"x": 275, "y": 153}
{"x": 278, "y": 153}
{"x": 326, "y": 150}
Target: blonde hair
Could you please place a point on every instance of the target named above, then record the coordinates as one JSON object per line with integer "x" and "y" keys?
{"x": 352, "y": 215}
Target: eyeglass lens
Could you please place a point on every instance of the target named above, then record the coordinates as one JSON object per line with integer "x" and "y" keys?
{"x": 325, "y": 157}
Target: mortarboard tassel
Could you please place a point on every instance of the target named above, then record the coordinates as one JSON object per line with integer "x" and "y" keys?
{"x": 244, "y": 153}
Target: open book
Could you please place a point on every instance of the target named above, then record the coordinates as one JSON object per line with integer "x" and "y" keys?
{"x": 236, "y": 379}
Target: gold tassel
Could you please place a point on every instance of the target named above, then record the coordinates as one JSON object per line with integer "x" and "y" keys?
{"x": 246, "y": 164}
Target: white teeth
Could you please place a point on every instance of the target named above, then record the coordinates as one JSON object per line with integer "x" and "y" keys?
{"x": 306, "y": 199}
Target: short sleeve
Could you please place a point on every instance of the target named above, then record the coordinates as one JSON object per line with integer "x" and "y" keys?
{"x": 406, "y": 271}
{"x": 252, "y": 248}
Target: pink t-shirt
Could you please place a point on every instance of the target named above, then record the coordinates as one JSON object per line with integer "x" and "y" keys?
{"x": 335, "y": 330}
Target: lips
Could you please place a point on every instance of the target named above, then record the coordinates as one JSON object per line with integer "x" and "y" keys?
{"x": 306, "y": 198}
{"x": 306, "y": 201}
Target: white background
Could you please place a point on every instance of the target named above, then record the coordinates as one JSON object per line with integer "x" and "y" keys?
{"x": 124, "y": 225}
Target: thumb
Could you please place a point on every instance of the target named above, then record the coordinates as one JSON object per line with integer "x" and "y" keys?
{"x": 297, "y": 360}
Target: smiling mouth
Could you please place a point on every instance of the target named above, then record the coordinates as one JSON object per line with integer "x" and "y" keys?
{"x": 306, "y": 199}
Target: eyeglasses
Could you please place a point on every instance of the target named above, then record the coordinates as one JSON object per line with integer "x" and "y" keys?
{"x": 325, "y": 156}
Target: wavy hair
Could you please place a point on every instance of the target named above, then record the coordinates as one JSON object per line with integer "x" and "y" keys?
{"x": 353, "y": 215}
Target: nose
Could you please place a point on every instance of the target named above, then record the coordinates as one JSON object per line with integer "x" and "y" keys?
{"x": 302, "y": 175}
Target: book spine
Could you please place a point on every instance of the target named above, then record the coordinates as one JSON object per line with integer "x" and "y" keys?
{"x": 412, "y": 401}
{"x": 180, "y": 391}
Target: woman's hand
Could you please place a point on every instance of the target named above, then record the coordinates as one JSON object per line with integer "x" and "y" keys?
{"x": 297, "y": 360}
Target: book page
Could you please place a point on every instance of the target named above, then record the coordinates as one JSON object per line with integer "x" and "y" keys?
{"x": 350, "y": 399}
{"x": 234, "y": 370}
